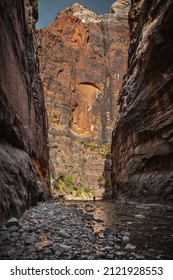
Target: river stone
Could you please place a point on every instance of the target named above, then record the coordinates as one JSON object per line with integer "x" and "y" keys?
{"x": 100, "y": 255}
{"x": 63, "y": 217}
{"x": 57, "y": 249}
{"x": 88, "y": 217}
{"x": 66, "y": 247}
{"x": 108, "y": 248}
{"x": 12, "y": 222}
{"x": 126, "y": 238}
{"x": 38, "y": 231}
{"x": 118, "y": 240}
{"x": 11, "y": 254}
{"x": 26, "y": 228}
{"x": 111, "y": 231}
{"x": 31, "y": 240}
{"x": 15, "y": 234}
{"x": 139, "y": 216}
{"x": 63, "y": 234}
{"x": 127, "y": 233}
{"x": 130, "y": 247}
{"x": 139, "y": 257}
{"x": 5, "y": 236}
{"x": 13, "y": 229}
{"x": 120, "y": 253}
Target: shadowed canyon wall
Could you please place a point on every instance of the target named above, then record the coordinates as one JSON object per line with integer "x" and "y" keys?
{"x": 143, "y": 138}
{"x": 23, "y": 141}
{"x": 83, "y": 57}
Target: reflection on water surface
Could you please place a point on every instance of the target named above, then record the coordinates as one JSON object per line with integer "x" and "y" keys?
{"x": 149, "y": 227}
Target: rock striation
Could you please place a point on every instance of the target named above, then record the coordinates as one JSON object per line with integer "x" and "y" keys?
{"x": 23, "y": 140}
{"x": 83, "y": 57}
{"x": 143, "y": 138}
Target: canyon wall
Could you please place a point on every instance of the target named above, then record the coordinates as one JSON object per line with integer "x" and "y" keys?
{"x": 83, "y": 57}
{"x": 24, "y": 172}
{"x": 142, "y": 145}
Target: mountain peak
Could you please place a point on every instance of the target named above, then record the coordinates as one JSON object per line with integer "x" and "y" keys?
{"x": 83, "y": 13}
{"x": 120, "y": 7}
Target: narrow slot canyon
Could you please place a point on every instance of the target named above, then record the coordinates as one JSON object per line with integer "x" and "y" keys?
{"x": 86, "y": 147}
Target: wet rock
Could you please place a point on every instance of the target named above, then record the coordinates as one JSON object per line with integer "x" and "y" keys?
{"x": 126, "y": 238}
{"x": 111, "y": 231}
{"x": 130, "y": 247}
{"x": 100, "y": 255}
{"x": 21, "y": 230}
{"x": 5, "y": 236}
{"x": 139, "y": 257}
{"x": 120, "y": 253}
{"x": 151, "y": 250}
{"x": 31, "y": 240}
{"x": 12, "y": 222}
{"x": 169, "y": 208}
{"x": 127, "y": 233}
{"x": 12, "y": 254}
{"x": 83, "y": 241}
{"x": 38, "y": 231}
{"x": 26, "y": 228}
{"x": 139, "y": 216}
{"x": 57, "y": 249}
{"x": 13, "y": 229}
{"x": 118, "y": 240}
{"x": 63, "y": 234}
{"x": 15, "y": 234}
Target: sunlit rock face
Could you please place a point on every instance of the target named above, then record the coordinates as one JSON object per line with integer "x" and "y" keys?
{"x": 83, "y": 57}
{"x": 23, "y": 144}
{"x": 143, "y": 137}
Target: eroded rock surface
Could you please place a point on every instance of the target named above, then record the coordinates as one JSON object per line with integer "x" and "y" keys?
{"x": 23, "y": 146}
{"x": 143, "y": 137}
{"x": 83, "y": 57}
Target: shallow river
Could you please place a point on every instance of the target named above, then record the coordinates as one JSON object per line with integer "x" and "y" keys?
{"x": 89, "y": 230}
{"x": 150, "y": 226}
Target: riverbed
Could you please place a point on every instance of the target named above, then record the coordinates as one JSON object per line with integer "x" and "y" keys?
{"x": 89, "y": 230}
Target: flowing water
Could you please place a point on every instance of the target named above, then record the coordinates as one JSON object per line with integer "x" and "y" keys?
{"x": 149, "y": 226}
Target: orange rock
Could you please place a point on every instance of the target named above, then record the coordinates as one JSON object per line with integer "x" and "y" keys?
{"x": 83, "y": 57}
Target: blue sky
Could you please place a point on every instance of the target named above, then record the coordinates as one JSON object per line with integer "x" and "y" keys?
{"x": 48, "y": 9}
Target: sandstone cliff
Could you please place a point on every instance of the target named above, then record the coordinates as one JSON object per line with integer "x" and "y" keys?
{"x": 143, "y": 138}
{"x": 83, "y": 57}
{"x": 23, "y": 143}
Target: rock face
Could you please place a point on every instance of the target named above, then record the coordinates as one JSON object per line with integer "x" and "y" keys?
{"x": 23, "y": 144}
{"x": 143, "y": 138}
{"x": 83, "y": 57}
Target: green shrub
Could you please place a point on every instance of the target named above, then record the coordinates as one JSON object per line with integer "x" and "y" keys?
{"x": 79, "y": 192}
{"x": 68, "y": 180}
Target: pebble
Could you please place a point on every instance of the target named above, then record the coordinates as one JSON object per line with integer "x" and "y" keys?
{"x": 110, "y": 232}
{"x": 139, "y": 216}
{"x": 57, "y": 249}
{"x": 130, "y": 247}
{"x": 126, "y": 238}
{"x": 12, "y": 229}
{"x": 120, "y": 253}
{"x": 12, "y": 222}
{"x": 65, "y": 231}
{"x": 63, "y": 234}
{"x": 31, "y": 240}
{"x": 139, "y": 257}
